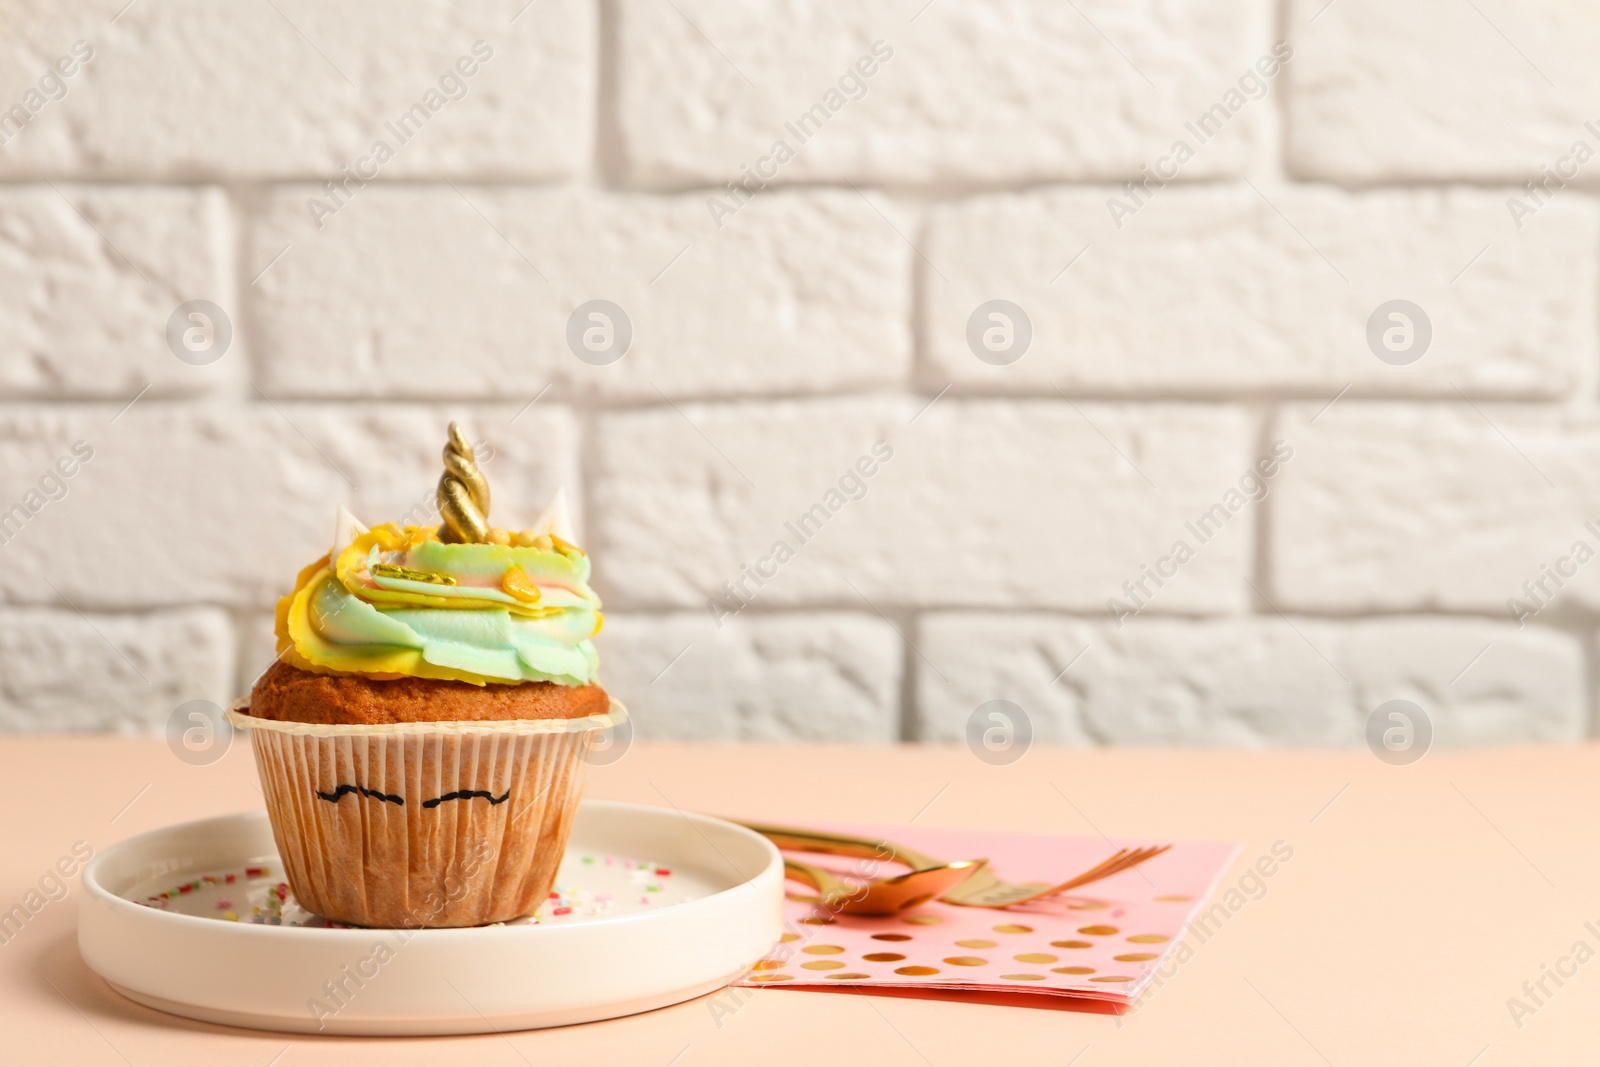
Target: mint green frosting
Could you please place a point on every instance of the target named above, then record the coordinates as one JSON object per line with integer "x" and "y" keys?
{"x": 491, "y": 642}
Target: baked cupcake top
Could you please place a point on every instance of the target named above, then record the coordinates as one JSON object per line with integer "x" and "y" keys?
{"x": 462, "y": 602}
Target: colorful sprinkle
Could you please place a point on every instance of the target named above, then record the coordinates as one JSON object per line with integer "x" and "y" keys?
{"x": 566, "y": 902}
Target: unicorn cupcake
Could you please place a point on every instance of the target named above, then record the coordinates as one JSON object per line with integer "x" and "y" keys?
{"x": 420, "y": 737}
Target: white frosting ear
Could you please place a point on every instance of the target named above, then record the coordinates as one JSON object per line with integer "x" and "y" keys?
{"x": 557, "y": 519}
{"x": 345, "y": 530}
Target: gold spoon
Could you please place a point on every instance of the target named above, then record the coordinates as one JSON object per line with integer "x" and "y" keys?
{"x": 984, "y": 889}
{"x": 885, "y": 896}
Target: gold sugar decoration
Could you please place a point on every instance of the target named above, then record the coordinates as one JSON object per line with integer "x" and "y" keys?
{"x": 566, "y": 548}
{"x": 530, "y": 539}
{"x": 463, "y": 493}
{"x": 516, "y": 582}
{"x": 390, "y": 570}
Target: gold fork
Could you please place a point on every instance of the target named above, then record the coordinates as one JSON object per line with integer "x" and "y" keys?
{"x": 883, "y": 896}
{"x": 982, "y": 889}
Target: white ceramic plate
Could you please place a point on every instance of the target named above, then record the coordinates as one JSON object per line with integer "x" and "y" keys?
{"x": 653, "y": 907}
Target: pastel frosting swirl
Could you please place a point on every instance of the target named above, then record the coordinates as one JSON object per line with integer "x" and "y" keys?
{"x": 399, "y": 602}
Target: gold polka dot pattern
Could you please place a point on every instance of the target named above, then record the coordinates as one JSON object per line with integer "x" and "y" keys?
{"x": 1021, "y": 937}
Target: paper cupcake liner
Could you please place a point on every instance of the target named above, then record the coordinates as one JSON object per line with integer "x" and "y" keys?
{"x": 423, "y": 824}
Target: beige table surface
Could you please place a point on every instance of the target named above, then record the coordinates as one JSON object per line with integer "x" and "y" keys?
{"x": 1419, "y": 899}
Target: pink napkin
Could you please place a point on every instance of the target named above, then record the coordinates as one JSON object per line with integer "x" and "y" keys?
{"x": 1094, "y": 949}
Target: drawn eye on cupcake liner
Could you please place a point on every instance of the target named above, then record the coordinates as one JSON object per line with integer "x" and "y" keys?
{"x": 391, "y": 798}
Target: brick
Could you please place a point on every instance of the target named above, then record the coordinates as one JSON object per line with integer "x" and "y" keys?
{"x": 89, "y": 278}
{"x": 825, "y": 676}
{"x": 1394, "y": 92}
{"x": 1249, "y": 681}
{"x": 65, "y": 672}
{"x": 183, "y": 88}
{"x": 1025, "y": 90}
{"x": 224, "y": 505}
{"x": 1214, "y": 291}
{"x": 1446, "y": 507}
{"x": 423, "y": 292}
{"x": 982, "y": 503}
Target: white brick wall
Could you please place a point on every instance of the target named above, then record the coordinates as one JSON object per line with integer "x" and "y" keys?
{"x": 1250, "y": 681}
{"x": 65, "y": 671}
{"x": 187, "y": 89}
{"x": 1424, "y": 91}
{"x": 1187, "y": 332}
{"x": 89, "y": 275}
{"x": 976, "y": 93}
{"x": 412, "y": 292}
{"x": 1273, "y": 301}
{"x": 978, "y": 504}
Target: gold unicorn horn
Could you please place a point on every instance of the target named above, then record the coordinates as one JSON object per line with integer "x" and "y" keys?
{"x": 463, "y": 493}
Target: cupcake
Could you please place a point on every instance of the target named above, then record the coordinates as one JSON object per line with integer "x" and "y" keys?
{"x": 420, "y": 737}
